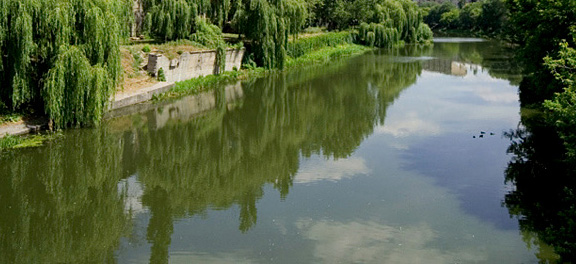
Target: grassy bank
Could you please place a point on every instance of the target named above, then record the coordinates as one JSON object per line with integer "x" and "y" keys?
{"x": 325, "y": 55}
{"x": 319, "y": 49}
{"x": 9, "y": 118}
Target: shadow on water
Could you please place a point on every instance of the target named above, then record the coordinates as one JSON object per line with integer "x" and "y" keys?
{"x": 543, "y": 200}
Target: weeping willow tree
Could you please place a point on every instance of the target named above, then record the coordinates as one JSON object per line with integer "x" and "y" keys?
{"x": 394, "y": 21}
{"x": 220, "y": 10}
{"x": 267, "y": 24}
{"x": 42, "y": 39}
{"x": 171, "y": 19}
{"x": 377, "y": 35}
{"x": 176, "y": 19}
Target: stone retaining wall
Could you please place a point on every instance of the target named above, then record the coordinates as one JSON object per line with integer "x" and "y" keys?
{"x": 192, "y": 65}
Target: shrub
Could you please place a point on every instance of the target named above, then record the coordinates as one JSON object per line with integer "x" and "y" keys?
{"x": 207, "y": 34}
{"x": 161, "y": 76}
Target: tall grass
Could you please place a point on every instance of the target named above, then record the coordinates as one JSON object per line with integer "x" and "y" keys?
{"x": 325, "y": 55}
{"x": 305, "y": 45}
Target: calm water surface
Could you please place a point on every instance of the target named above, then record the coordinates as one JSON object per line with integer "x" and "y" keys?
{"x": 388, "y": 157}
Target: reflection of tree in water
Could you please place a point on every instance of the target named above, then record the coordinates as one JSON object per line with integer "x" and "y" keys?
{"x": 389, "y": 79}
{"x": 497, "y": 59}
{"x": 224, "y": 157}
{"x": 161, "y": 224}
{"x": 60, "y": 203}
{"x": 544, "y": 198}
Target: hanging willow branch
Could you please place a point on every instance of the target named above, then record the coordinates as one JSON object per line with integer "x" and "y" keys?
{"x": 396, "y": 21}
{"x": 62, "y": 57}
{"x": 266, "y": 25}
{"x": 75, "y": 92}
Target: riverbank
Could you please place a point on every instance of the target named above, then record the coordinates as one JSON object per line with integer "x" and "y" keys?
{"x": 11, "y": 132}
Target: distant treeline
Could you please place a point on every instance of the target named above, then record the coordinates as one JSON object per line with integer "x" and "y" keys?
{"x": 488, "y": 17}
{"x": 265, "y": 25}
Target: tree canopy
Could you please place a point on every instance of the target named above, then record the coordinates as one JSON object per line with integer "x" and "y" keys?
{"x": 61, "y": 57}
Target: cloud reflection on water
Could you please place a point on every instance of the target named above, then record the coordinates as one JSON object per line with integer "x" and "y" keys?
{"x": 313, "y": 170}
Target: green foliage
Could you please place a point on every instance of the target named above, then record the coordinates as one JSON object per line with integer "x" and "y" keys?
{"x": 302, "y": 46}
{"x": 137, "y": 60}
{"x": 402, "y": 15}
{"x": 314, "y": 30}
{"x": 424, "y": 34}
{"x": 9, "y": 117}
{"x": 161, "y": 76}
{"x": 15, "y": 142}
{"x": 171, "y": 19}
{"x": 488, "y": 16}
{"x": 325, "y": 55}
{"x": 377, "y": 35}
{"x": 470, "y": 15}
{"x": 210, "y": 36}
{"x": 9, "y": 141}
{"x": 538, "y": 27}
{"x": 266, "y": 24}
{"x": 219, "y": 13}
{"x": 435, "y": 13}
{"x": 33, "y": 37}
{"x": 74, "y": 91}
{"x": 493, "y": 16}
{"x": 562, "y": 108}
{"x": 220, "y": 66}
{"x": 449, "y": 20}
{"x": 206, "y": 34}
{"x": 203, "y": 83}
{"x": 146, "y": 49}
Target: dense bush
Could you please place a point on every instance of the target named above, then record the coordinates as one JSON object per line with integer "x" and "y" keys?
{"x": 206, "y": 34}
{"x": 563, "y": 106}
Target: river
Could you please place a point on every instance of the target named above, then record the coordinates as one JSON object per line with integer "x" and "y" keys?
{"x": 387, "y": 157}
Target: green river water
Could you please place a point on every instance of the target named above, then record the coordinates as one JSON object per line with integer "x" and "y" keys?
{"x": 387, "y": 157}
